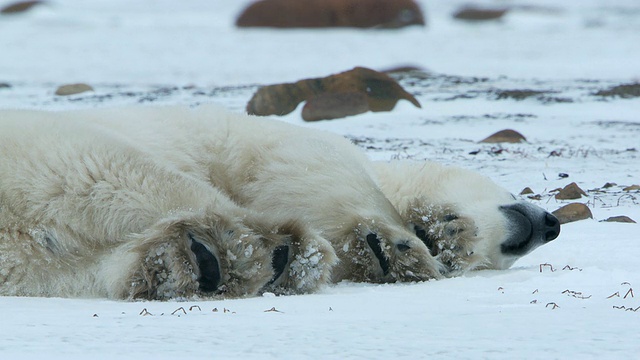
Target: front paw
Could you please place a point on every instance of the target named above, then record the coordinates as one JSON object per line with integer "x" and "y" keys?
{"x": 201, "y": 255}
{"x": 451, "y": 238}
{"x": 377, "y": 253}
{"x": 303, "y": 263}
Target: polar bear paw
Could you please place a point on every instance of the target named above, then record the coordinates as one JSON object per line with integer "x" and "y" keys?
{"x": 402, "y": 258}
{"x": 303, "y": 263}
{"x": 201, "y": 256}
{"x": 451, "y": 238}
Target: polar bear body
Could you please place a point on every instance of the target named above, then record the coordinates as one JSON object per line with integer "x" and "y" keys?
{"x": 176, "y": 202}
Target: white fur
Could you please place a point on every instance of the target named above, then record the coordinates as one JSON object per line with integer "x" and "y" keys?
{"x": 107, "y": 203}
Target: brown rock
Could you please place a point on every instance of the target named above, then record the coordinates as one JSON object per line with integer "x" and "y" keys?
{"x": 508, "y": 136}
{"x": 573, "y": 212}
{"x": 471, "y": 13}
{"x": 331, "y": 13}
{"x": 72, "y": 89}
{"x": 334, "y": 105}
{"x": 608, "y": 185}
{"x": 19, "y": 7}
{"x": 381, "y": 92}
{"x": 632, "y": 188}
{"x": 622, "y": 219}
{"x": 570, "y": 192}
{"x": 526, "y": 191}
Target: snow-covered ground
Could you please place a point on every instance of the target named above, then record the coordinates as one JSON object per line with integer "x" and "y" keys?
{"x": 165, "y": 51}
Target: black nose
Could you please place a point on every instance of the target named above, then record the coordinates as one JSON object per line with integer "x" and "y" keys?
{"x": 552, "y": 227}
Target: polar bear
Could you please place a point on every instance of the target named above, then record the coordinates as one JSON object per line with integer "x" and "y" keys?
{"x": 173, "y": 202}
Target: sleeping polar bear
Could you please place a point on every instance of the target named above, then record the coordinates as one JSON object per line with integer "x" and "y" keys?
{"x": 173, "y": 202}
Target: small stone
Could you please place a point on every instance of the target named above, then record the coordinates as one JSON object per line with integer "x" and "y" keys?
{"x": 19, "y": 7}
{"x": 5, "y": 85}
{"x": 609, "y": 185}
{"x": 632, "y": 188}
{"x": 72, "y": 89}
{"x": 508, "y": 136}
{"x": 625, "y": 91}
{"x": 622, "y": 219}
{"x": 471, "y": 13}
{"x": 570, "y": 192}
{"x": 526, "y": 191}
{"x": 572, "y": 212}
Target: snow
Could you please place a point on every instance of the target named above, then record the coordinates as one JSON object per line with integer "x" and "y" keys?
{"x": 161, "y": 51}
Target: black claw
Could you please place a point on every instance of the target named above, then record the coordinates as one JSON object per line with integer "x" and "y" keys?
{"x": 403, "y": 247}
{"x": 450, "y": 217}
{"x": 208, "y": 264}
{"x": 374, "y": 244}
{"x": 279, "y": 260}
{"x": 426, "y": 239}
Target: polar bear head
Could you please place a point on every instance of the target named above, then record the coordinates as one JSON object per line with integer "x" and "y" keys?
{"x": 467, "y": 221}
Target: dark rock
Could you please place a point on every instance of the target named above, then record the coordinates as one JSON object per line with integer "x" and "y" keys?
{"x": 625, "y": 91}
{"x": 72, "y": 89}
{"x": 622, "y": 219}
{"x": 5, "y": 86}
{"x": 334, "y": 105}
{"x": 517, "y": 94}
{"x": 471, "y": 13}
{"x": 331, "y": 13}
{"x": 526, "y": 191}
{"x": 570, "y": 192}
{"x": 381, "y": 92}
{"x": 572, "y": 212}
{"x": 19, "y": 7}
{"x": 508, "y": 136}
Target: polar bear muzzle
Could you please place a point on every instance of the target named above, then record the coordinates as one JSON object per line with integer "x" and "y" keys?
{"x": 529, "y": 227}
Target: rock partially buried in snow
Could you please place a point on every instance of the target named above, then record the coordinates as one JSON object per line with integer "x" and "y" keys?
{"x": 632, "y": 188}
{"x": 572, "y": 212}
{"x": 625, "y": 91}
{"x": 331, "y": 13}
{"x": 19, "y": 7}
{"x": 380, "y": 91}
{"x": 334, "y": 105}
{"x": 622, "y": 219}
{"x": 472, "y": 13}
{"x": 508, "y": 136}
{"x": 570, "y": 192}
{"x": 526, "y": 191}
{"x": 72, "y": 89}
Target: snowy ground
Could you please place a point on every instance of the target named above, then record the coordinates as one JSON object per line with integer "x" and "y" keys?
{"x": 161, "y": 51}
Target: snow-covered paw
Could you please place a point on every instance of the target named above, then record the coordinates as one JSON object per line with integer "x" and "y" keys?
{"x": 451, "y": 238}
{"x": 302, "y": 264}
{"x": 203, "y": 255}
{"x": 377, "y": 253}
{"x": 401, "y": 258}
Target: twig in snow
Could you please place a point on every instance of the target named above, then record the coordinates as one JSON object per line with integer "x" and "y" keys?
{"x": 273, "y": 309}
{"x": 616, "y": 294}
{"x": 144, "y": 312}
{"x": 545, "y": 265}
{"x": 630, "y": 292}
{"x": 568, "y": 267}
{"x": 178, "y": 309}
{"x": 194, "y": 307}
{"x": 554, "y": 305}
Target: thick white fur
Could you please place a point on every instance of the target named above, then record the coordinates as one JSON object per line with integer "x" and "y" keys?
{"x": 105, "y": 203}
{"x": 424, "y": 191}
